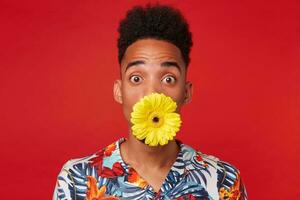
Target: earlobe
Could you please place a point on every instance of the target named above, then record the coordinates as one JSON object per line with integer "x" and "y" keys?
{"x": 117, "y": 91}
{"x": 188, "y": 92}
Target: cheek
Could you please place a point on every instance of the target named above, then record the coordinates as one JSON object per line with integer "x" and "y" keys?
{"x": 130, "y": 97}
{"x": 178, "y": 95}
{"x": 180, "y": 102}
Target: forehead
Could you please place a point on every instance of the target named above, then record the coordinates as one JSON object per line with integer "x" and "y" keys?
{"x": 152, "y": 51}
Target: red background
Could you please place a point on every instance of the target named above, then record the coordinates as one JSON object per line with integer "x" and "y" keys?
{"x": 59, "y": 61}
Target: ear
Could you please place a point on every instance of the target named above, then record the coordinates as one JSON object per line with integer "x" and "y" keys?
{"x": 117, "y": 91}
{"x": 188, "y": 92}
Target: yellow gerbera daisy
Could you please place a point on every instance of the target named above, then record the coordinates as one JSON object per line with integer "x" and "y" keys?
{"x": 154, "y": 119}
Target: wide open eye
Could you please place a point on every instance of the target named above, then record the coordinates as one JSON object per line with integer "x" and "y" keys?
{"x": 135, "y": 79}
{"x": 169, "y": 80}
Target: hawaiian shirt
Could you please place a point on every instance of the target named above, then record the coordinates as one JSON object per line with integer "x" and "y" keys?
{"x": 104, "y": 175}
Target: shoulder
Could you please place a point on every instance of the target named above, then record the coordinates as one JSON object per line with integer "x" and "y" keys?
{"x": 96, "y": 160}
{"x": 229, "y": 182}
{"x": 76, "y": 173}
{"x": 199, "y": 159}
{"x": 72, "y": 178}
{"x": 225, "y": 175}
{"x": 226, "y": 172}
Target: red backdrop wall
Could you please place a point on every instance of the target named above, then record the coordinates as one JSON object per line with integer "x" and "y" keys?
{"x": 59, "y": 61}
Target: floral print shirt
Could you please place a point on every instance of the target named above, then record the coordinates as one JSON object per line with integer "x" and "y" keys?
{"x": 104, "y": 175}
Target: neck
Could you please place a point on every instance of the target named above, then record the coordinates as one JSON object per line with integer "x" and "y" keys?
{"x": 135, "y": 152}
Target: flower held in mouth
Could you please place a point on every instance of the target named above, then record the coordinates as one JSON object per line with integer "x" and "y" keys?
{"x": 154, "y": 119}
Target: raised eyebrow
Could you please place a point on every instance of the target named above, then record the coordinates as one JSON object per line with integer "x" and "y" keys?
{"x": 171, "y": 64}
{"x": 137, "y": 62}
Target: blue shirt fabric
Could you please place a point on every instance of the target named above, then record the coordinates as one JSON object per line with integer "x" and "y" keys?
{"x": 104, "y": 175}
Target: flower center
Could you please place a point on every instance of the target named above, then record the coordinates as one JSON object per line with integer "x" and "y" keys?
{"x": 155, "y": 119}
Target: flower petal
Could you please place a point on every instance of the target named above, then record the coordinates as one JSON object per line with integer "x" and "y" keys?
{"x": 158, "y": 132}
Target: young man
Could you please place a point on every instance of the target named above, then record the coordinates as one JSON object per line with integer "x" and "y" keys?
{"x": 154, "y": 47}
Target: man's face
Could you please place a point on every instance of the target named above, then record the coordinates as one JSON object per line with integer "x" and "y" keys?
{"x": 151, "y": 66}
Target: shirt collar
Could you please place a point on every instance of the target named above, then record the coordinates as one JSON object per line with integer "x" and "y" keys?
{"x": 185, "y": 161}
{"x": 113, "y": 166}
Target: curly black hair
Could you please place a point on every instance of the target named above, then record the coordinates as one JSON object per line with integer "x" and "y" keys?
{"x": 158, "y": 22}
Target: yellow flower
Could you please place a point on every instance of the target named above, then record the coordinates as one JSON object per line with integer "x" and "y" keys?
{"x": 154, "y": 119}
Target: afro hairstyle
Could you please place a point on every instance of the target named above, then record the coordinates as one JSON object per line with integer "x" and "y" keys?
{"x": 158, "y": 22}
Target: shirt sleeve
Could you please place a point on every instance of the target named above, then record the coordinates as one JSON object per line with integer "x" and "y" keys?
{"x": 242, "y": 190}
{"x": 65, "y": 187}
{"x": 231, "y": 185}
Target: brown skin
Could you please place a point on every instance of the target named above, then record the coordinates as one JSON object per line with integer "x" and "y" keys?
{"x": 149, "y": 66}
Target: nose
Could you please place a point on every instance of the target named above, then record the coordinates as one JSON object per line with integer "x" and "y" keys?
{"x": 152, "y": 87}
